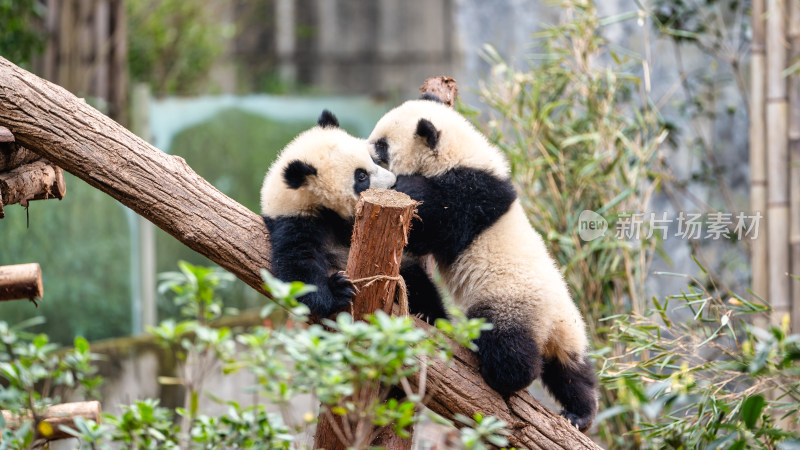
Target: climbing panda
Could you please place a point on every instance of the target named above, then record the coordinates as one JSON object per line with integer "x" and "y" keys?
{"x": 308, "y": 200}
{"x": 493, "y": 262}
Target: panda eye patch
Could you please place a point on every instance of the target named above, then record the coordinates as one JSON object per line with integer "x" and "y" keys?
{"x": 360, "y": 181}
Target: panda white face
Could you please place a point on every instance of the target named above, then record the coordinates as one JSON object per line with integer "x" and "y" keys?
{"x": 429, "y": 138}
{"x": 321, "y": 168}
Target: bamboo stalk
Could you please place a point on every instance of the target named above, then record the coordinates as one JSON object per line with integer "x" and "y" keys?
{"x": 777, "y": 161}
{"x": 758, "y": 158}
{"x": 794, "y": 161}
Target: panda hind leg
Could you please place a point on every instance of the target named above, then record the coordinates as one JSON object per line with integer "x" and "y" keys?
{"x": 509, "y": 357}
{"x": 574, "y": 385}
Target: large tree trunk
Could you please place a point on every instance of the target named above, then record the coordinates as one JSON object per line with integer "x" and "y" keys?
{"x": 162, "y": 188}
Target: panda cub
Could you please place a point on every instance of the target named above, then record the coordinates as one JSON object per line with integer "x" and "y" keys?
{"x": 490, "y": 257}
{"x": 308, "y": 200}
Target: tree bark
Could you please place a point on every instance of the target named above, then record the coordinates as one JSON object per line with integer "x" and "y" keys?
{"x": 382, "y": 221}
{"x": 56, "y": 416}
{"x": 162, "y": 188}
{"x": 458, "y": 387}
{"x": 21, "y": 281}
{"x": 38, "y": 180}
{"x": 12, "y": 156}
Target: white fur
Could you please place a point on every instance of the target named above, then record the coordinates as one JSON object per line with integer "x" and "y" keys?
{"x": 336, "y": 155}
{"x": 506, "y": 265}
{"x": 460, "y": 144}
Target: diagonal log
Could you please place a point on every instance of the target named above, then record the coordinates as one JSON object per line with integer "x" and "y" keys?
{"x": 50, "y": 121}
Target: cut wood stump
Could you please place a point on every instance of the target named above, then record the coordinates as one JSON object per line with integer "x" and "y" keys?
{"x": 56, "y": 416}
{"x": 382, "y": 222}
{"x": 443, "y": 87}
{"x": 21, "y": 281}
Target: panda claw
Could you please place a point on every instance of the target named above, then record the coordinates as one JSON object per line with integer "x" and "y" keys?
{"x": 580, "y": 422}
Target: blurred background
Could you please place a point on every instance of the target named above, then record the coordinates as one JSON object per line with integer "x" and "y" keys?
{"x": 661, "y": 108}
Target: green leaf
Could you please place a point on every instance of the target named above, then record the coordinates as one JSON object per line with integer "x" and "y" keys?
{"x": 81, "y": 344}
{"x": 751, "y": 410}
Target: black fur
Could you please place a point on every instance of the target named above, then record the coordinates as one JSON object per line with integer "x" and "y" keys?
{"x": 296, "y": 172}
{"x": 427, "y": 131}
{"x": 574, "y": 388}
{"x": 423, "y": 297}
{"x": 456, "y": 207}
{"x": 431, "y": 97}
{"x": 509, "y": 357}
{"x": 361, "y": 181}
{"x": 327, "y": 119}
{"x": 299, "y": 254}
{"x": 299, "y": 246}
{"x": 382, "y": 150}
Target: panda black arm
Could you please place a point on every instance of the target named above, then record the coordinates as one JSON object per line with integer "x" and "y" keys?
{"x": 298, "y": 254}
{"x": 456, "y": 207}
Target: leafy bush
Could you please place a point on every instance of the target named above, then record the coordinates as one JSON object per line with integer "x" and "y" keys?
{"x": 35, "y": 374}
{"x": 693, "y": 373}
{"x": 334, "y": 362}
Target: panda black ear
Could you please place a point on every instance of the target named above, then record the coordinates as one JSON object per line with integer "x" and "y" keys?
{"x": 431, "y": 97}
{"x": 327, "y": 119}
{"x": 296, "y": 172}
{"x": 426, "y": 130}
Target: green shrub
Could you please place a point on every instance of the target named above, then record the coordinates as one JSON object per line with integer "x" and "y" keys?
{"x": 333, "y": 363}
{"x": 693, "y": 373}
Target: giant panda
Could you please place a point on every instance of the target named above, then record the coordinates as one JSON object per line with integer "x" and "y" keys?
{"x": 492, "y": 260}
{"x": 308, "y": 200}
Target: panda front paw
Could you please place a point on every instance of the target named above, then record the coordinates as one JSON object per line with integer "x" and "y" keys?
{"x": 342, "y": 290}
